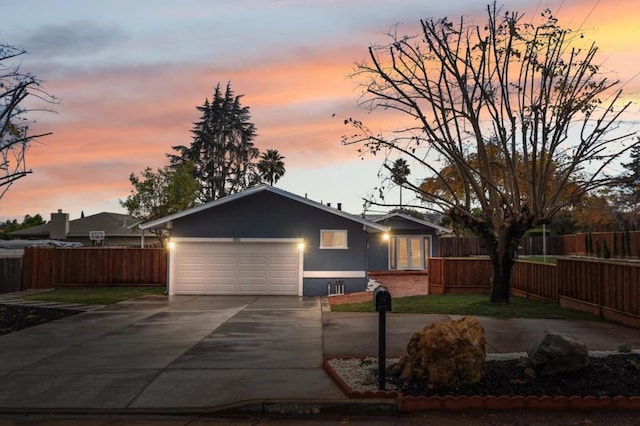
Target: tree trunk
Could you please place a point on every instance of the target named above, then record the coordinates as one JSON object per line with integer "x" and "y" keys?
{"x": 503, "y": 253}
{"x": 501, "y": 280}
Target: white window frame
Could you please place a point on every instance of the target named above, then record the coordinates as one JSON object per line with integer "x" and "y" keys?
{"x": 426, "y": 252}
{"x": 342, "y": 231}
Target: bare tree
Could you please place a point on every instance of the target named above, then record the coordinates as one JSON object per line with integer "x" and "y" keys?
{"x": 516, "y": 112}
{"x": 15, "y": 88}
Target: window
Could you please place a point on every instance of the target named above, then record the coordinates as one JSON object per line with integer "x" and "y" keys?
{"x": 333, "y": 239}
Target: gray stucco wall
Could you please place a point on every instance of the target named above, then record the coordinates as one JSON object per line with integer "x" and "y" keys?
{"x": 378, "y": 254}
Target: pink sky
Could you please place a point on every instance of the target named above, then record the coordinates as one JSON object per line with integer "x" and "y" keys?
{"x": 130, "y": 84}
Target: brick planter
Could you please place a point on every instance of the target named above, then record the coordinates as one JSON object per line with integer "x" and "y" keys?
{"x": 407, "y": 404}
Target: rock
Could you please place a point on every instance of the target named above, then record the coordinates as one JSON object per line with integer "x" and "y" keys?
{"x": 529, "y": 373}
{"x": 448, "y": 354}
{"x": 524, "y": 362}
{"x": 556, "y": 353}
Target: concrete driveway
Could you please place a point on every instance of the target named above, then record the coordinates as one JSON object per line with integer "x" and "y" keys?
{"x": 184, "y": 352}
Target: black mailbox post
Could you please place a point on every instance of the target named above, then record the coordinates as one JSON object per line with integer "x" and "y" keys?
{"x": 382, "y": 299}
{"x": 382, "y": 304}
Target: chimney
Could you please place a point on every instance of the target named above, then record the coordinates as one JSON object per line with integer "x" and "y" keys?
{"x": 339, "y": 206}
{"x": 59, "y": 225}
{"x": 328, "y": 204}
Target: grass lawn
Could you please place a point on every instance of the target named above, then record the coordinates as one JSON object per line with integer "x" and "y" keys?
{"x": 473, "y": 305}
{"x": 94, "y": 295}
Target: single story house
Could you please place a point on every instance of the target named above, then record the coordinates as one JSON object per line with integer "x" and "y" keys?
{"x": 410, "y": 243}
{"x": 102, "y": 229}
{"x": 267, "y": 241}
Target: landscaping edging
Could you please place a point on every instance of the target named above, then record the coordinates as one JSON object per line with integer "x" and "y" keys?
{"x": 407, "y": 404}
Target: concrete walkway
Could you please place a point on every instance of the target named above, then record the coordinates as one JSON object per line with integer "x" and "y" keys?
{"x": 356, "y": 334}
{"x": 194, "y": 354}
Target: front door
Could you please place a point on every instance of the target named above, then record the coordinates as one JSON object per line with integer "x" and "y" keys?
{"x": 410, "y": 253}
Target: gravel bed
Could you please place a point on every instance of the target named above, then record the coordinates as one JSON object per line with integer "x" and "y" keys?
{"x": 609, "y": 374}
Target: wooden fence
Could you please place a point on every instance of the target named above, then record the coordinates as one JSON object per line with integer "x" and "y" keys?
{"x": 45, "y": 268}
{"x": 598, "y": 244}
{"x": 610, "y": 289}
{"x": 10, "y": 274}
{"x": 459, "y": 275}
{"x": 535, "y": 281}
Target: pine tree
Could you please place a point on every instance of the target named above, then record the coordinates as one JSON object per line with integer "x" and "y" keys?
{"x": 627, "y": 196}
{"x": 632, "y": 177}
{"x": 222, "y": 150}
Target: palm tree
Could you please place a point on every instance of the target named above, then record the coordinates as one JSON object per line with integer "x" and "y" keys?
{"x": 271, "y": 166}
{"x": 399, "y": 173}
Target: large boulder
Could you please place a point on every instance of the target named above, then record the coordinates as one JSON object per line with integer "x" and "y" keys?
{"x": 557, "y": 353}
{"x": 446, "y": 354}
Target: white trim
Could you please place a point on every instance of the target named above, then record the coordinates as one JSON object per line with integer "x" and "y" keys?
{"x": 413, "y": 219}
{"x": 423, "y": 255}
{"x": 342, "y": 231}
{"x": 301, "y": 271}
{"x": 235, "y": 240}
{"x": 172, "y": 273}
{"x": 334, "y": 274}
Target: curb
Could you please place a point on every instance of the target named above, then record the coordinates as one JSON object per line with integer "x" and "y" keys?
{"x": 362, "y": 407}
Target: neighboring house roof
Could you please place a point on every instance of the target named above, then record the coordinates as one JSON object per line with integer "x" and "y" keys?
{"x": 20, "y": 244}
{"x": 382, "y": 218}
{"x": 113, "y": 225}
{"x": 369, "y": 225}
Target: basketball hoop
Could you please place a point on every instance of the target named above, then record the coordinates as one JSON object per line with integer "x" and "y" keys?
{"x": 96, "y": 236}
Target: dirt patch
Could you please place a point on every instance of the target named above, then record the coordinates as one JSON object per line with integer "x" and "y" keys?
{"x": 18, "y": 317}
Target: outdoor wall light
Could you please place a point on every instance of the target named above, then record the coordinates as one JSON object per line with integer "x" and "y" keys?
{"x": 171, "y": 245}
{"x": 385, "y": 236}
{"x": 301, "y": 245}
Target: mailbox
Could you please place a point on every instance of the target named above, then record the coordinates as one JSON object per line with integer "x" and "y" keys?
{"x": 382, "y": 299}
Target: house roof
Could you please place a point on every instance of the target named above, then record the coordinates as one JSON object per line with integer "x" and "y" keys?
{"x": 369, "y": 225}
{"x": 381, "y": 218}
{"x": 113, "y": 225}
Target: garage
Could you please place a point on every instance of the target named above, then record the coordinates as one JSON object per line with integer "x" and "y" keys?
{"x": 235, "y": 266}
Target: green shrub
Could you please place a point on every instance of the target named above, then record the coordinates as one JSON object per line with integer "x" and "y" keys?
{"x": 536, "y": 232}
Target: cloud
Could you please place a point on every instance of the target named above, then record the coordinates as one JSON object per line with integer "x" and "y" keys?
{"x": 75, "y": 38}
{"x": 127, "y": 97}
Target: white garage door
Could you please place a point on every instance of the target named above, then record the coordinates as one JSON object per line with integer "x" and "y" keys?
{"x": 235, "y": 268}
